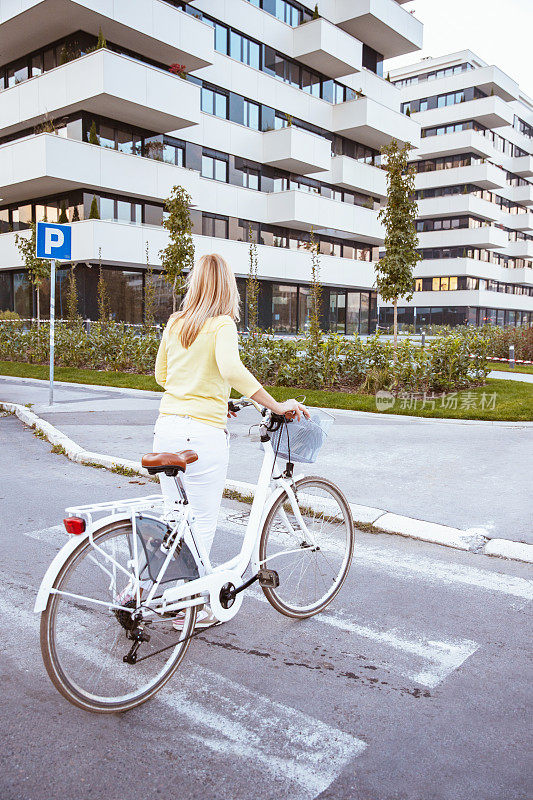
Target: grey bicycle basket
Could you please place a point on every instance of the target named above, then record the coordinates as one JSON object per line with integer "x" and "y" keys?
{"x": 301, "y": 441}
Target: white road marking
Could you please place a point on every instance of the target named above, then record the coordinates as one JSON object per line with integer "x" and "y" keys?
{"x": 440, "y": 658}
{"x": 55, "y": 535}
{"x": 426, "y": 568}
{"x": 302, "y": 755}
{"x": 307, "y": 752}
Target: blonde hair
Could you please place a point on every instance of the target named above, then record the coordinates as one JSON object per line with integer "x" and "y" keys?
{"x": 211, "y": 292}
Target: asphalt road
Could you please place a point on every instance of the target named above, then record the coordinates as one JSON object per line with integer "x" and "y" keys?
{"x": 413, "y": 685}
{"x": 475, "y": 475}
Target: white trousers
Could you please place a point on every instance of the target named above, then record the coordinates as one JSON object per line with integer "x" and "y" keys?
{"x": 204, "y": 480}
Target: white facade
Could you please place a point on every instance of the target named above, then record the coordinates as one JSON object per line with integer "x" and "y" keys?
{"x": 474, "y": 190}
{"x": 272, "y": 120}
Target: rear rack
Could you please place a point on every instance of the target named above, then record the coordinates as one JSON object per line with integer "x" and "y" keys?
{"x": 152, "y": 502}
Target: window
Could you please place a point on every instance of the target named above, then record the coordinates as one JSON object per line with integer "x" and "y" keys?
{"x": 215, "y": 168}
{"x": 243, "y": 49}
{"x": 284, "y": 302}
{"x": 251, "y": 115}
{"x": 221, "y": 38}
{"x": 250, "y": 178}
{"x": 213, "y": 225}
{"x": 214, "y": 102}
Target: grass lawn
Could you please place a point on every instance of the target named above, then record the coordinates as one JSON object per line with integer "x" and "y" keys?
{"x": 502, "y": 367}
{"x": 498, "y": 400}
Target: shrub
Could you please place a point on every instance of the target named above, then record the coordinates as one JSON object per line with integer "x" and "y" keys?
{"x": 448, "y": 363}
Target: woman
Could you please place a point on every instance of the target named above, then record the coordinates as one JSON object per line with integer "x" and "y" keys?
{"x": 197, "y": 365}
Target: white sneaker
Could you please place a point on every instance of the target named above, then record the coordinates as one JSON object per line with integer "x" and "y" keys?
{"x": 204, "y": 619}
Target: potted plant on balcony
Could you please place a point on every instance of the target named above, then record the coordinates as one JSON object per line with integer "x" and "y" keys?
{"x": 178, "y": 69}
{"x": 93, "y": 136}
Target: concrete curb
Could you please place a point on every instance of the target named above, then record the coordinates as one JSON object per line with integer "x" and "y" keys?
{"x": 379, "y": 521}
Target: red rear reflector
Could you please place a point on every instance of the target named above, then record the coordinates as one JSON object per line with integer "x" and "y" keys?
{"x": 74, "y": 525}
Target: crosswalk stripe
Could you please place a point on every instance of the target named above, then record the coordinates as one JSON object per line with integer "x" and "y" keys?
{"x": 439, "y": 658}
{"x": 300, "y": 752}
{"x": 431, "y": 569}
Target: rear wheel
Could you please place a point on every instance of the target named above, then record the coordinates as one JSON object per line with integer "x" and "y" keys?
{"x": 312, "y": 561}
{"x": 83, "y": 643}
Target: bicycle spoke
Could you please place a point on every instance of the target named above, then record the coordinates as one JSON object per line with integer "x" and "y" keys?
{"x": 311, "y": 577}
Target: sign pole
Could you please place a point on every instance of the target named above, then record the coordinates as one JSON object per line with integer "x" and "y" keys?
{"x": 53, "y": 241}
{"x": 52, "y": 327}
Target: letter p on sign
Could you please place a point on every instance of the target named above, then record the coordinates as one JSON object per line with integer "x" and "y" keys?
{"x": 53, "y": 241}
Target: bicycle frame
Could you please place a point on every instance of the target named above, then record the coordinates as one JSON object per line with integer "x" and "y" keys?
{"x": 212, "y": 579}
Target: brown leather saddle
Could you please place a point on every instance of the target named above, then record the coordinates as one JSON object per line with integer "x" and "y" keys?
{"x": 169, "y": 463}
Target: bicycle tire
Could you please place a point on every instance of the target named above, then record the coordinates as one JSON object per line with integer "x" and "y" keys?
{"x": 274, "y": 595}
{"x": 56, "y": 672}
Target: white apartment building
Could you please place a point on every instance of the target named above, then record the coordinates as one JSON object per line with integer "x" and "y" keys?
{"x": 275, "y": 124}
{"x": 474, "y": 186}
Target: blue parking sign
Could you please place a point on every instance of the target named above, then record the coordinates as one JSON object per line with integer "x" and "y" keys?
{"x": 53, "y": 241}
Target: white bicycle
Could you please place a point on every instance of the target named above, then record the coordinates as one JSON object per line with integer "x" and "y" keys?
{"x": 110, "y": 595}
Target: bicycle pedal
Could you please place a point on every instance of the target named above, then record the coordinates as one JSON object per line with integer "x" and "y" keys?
{"x": 268, "y": 578}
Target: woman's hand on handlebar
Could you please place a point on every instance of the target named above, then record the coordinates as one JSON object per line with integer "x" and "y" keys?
{"x": 290, "y": 409}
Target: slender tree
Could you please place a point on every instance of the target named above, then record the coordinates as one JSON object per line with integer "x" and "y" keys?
{"x": 178, "y": 255}
{"x": 38, "y": 268}
{"x": 72, "y": 296}
{"x": 149, "y": 293}
{"x": 315, "y": 332}
{"x": 101, "y": 293}
{"x": 252, "y": 287}
{"x": 395, "y": 269}
{"x": 63, "y": 219}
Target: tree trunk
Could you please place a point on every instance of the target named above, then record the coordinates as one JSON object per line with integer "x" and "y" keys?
{"x": 395, "y": 326}
{"x": 174, "y": 298}
{"x": 38, "y": 307}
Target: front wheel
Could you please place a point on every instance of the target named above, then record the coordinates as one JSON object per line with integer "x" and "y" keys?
{"x": 311, "y": 550}
{"x": 83, "y": 641}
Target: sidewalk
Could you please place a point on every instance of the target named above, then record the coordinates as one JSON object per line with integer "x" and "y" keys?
{"x": 522, "y": 377}
{"x": 468, "y": 475}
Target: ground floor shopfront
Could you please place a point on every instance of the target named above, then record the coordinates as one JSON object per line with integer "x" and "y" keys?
{"x": 421, "y": 317}
{"x": 131, "y": 293}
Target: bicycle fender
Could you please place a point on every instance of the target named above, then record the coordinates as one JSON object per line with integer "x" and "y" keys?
{"x": 59, "y": 559}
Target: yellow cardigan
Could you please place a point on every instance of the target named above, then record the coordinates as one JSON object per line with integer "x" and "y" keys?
{"x": 197, "y": 380}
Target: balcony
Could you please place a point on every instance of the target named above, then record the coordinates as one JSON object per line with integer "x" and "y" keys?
{"x": 459, "y": 204}
{"x": 373, "y": 124}
{"x": 520, "y": 249}
{"x": 382, "y": 24}
{"x": 486, "y": 176}
{"x": 519, "y": 222}
{"x": 490, "y": 80}
{"x": 326, "y": 48}
{"x": 123, "y": 244}
{"x": 152, "y": 28}
{"x": 521, "y": 194}
{"x": 304, "y": 211}
{"x": 492, "y": 112}
{"x": 454, "y": 143}
{"x": 105, "y": 83}
{"x": 47, "y": 164}
{"x": 472, "y": 267}
{"x": 296, "y": 150}
{"x": 521, "y": 166}
{"x": 488, "y": 237}
{"x": 352, "y": 174}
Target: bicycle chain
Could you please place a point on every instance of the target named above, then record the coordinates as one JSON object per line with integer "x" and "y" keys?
{"x": 180, "y": 641}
